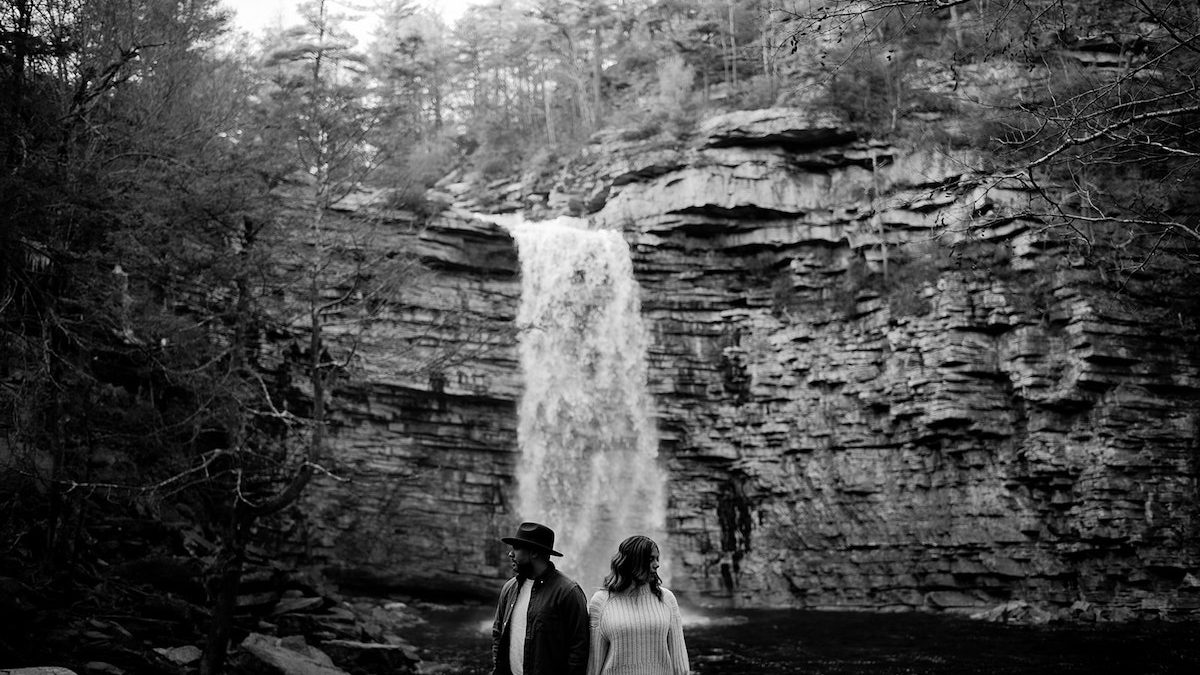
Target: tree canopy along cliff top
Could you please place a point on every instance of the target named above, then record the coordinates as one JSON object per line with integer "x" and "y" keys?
{"x": 1097, "y": 96}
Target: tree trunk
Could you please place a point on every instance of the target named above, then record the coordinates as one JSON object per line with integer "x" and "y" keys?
{"x": 956, "y": 22}
{"x": 725, "y": 59}
{"x": 732, "y": 48}
{"x": 24, "y": 23}
{"x": 765, "y": 40}
{"x": 227, "y": 580}
{"x": 437, "y": 104}
{"x": 547, "y": 99}
{"x": 596, "y": 75}
{"x": 878, "y": 202}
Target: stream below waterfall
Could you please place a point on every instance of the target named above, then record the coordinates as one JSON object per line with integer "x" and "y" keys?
{"x": 744, "y": 642}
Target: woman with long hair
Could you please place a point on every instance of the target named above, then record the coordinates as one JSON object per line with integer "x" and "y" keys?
{"x": 635, "y": 622}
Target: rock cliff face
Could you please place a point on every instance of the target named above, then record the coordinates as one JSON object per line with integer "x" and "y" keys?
{"x": 866, "y": 404}
{"x": 878, "y": 386}
{"x": 424, "y": 436}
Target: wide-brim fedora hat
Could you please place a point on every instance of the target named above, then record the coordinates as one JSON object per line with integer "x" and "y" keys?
{"x": 533, "y": 535}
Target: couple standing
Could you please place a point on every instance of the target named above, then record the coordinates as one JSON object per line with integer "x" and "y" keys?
{"x": 545, "y": 625}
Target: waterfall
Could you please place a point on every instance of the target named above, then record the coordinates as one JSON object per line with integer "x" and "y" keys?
{"x": 589, "y": 447}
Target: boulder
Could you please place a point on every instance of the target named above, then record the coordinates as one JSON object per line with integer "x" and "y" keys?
{"x": 286, "y": 656}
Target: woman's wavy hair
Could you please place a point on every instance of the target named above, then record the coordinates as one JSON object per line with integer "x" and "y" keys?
{"x": 631, "y": 567}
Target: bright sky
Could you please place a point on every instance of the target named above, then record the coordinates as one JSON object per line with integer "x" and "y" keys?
{"x": 255, "y": 15}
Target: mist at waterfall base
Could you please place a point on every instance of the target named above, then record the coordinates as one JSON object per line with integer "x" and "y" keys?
{"x": 589, "y": 449}
{"x": 775, "y": 642}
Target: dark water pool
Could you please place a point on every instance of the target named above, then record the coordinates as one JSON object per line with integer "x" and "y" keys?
{"x": 457, "y": 640}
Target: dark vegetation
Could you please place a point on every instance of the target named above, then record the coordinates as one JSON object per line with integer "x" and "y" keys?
{"x": 1090, "y": 105}
{"x": 166, "y": 268}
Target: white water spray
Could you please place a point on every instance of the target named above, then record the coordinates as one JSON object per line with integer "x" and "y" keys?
{"x": 589, "y": 467}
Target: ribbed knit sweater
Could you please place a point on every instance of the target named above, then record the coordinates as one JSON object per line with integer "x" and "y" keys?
{"x": 635, "y": 633}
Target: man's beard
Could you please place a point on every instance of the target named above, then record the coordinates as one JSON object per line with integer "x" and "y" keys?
{"x": 524, "y": 570}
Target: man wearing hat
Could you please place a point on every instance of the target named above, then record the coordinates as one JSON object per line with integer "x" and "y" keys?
{"x": 541, "y": 625}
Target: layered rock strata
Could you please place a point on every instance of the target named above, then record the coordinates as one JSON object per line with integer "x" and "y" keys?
{"x": 881, "y": 382}
{"x": 883, "y": 385}
{"x": 423, "y": 440}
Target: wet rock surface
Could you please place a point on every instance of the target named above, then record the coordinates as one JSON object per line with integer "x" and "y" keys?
{"x": 879, "y": 382}
{"x": 862, "y": 409}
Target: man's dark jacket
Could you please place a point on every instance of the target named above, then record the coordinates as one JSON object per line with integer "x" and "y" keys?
{"x": 556, "y": 632}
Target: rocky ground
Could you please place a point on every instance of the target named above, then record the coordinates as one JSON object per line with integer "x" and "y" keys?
{"x": 151, "y": 617}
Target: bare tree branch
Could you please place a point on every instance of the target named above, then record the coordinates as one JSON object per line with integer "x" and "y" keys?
{"x": 1108, "y": 129}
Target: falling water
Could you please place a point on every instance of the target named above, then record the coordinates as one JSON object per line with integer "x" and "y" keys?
{"x": 588, "y": 465}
